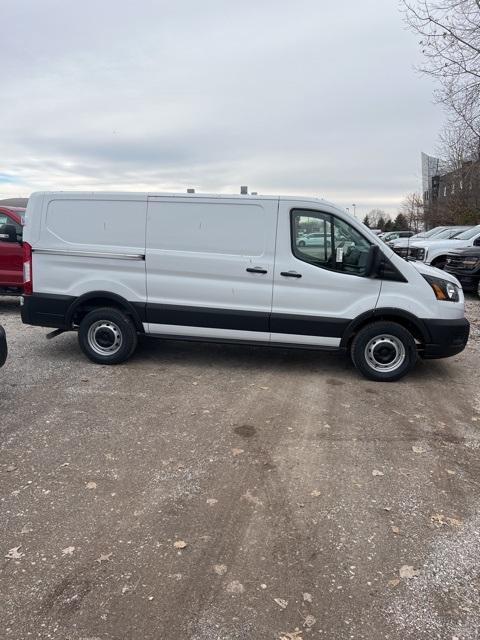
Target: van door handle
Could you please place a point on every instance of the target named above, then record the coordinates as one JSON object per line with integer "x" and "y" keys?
{"x": 256, "y": 270}
{"x": 290, "y": 274}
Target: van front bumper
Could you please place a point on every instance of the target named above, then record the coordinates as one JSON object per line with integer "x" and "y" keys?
{"x": 447, "y": 337}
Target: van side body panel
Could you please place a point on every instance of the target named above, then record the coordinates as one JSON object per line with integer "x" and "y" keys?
{"x": 416, "y": 296}
{"x": 90, "y": 244}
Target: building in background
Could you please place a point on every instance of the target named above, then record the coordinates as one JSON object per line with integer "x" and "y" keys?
{"x": 450, "y": 196}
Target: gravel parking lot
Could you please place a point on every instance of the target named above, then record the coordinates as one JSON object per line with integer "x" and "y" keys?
{"x": 207, "y": 492}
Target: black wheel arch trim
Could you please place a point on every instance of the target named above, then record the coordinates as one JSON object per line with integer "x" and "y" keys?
{"x": 136, "y": 310}
{"x": 441, "y": 258}
{"x": 385, "y": 313}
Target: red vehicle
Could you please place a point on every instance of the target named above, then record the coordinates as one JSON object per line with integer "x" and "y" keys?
{"x": 11, "y": 251}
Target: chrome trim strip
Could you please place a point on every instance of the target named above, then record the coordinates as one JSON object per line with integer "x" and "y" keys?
{"x": 91, "y": 254}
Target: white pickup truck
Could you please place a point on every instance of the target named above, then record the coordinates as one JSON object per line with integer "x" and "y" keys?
{"x": 435, "y": 253}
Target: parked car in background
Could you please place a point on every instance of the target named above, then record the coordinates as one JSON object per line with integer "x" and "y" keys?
{"x": 446, "y": 234}
{"x": 403, "y": 242}
{"x": 435, "y": 253}
{"x": 464, "y": 264}
{"x": 409, "y": 248}
{"x": 11, "y": 251}
{"x": 313, "y": 240}
{"x": 390, "y": 236}
{"x": 3, "y": 346}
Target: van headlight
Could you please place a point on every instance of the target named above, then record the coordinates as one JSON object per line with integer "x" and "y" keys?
{"x": 443, "y": 289}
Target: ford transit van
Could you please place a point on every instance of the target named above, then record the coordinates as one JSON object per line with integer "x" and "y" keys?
{"x": 232, "y": 269}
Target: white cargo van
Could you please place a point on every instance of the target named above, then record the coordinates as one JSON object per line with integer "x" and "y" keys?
{"x": 232, "y": 269}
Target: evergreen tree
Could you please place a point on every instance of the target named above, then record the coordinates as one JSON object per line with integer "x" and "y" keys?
{"x": 366, "y": 221}
{"x": 400, "y": 223}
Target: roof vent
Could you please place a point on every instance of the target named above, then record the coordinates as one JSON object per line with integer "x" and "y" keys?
{"x": 190, "y": 190}
{"x": 244, "y": 191}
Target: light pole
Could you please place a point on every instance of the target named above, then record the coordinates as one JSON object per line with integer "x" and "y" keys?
{"x": 354, "y": 206}
{"x": 347, "y": 209}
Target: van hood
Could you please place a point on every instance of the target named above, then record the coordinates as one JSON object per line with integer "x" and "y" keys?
{"x": 427, "y": 270}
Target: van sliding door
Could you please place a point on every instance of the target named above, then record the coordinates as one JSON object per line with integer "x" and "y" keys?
{"x": 210, "y": 266}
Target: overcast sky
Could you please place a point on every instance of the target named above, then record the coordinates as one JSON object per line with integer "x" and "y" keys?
{"x": 308, "y": 97}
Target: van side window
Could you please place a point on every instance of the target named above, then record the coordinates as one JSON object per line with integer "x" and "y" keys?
{"x": 328, "y": 242}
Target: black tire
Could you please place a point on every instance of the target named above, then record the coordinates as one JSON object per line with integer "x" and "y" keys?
{"x": 384, "y": 351}
{"x": 301, "y": 243}
{"x": 107, "y": 336}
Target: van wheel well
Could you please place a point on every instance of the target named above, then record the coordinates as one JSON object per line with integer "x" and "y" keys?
{"x": 82, "y": 308}
{"x": 407, "y": 324}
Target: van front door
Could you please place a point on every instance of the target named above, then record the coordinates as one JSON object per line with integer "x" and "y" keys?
{"x": 319, "y": 282}
{"x": 210, "y": 266}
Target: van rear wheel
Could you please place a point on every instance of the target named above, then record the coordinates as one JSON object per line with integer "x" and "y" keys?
{"x": 107, "y": 336}
{"x": 384, "y": 351}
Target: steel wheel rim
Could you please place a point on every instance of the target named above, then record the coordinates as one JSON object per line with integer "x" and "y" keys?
{"x": 104, "y": 338}
{"x": 385, "y": 353}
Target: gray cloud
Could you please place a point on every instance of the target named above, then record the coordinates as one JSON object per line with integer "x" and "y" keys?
{"x": 285, "y": 97}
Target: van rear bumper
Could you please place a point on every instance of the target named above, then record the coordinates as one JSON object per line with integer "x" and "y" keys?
{"x": 447, "y": 337}
{"x": 46, "y": 310}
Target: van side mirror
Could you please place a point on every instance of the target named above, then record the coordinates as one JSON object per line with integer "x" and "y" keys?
{"x": 8, "y": 233}
{"x": 373, "y": 261}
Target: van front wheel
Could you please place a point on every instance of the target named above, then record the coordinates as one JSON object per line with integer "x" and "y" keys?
{"x": 107, "y": 336}
{"x": 384, "y": 351}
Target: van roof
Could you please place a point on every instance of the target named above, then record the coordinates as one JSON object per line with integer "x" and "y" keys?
{"x": 152, "y": 194}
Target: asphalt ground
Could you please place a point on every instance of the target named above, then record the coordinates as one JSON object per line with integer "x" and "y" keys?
{"x": 208, "y": 492}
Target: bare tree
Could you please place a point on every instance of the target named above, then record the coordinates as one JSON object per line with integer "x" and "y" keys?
{"x": 377, "y": 217}
{"x": 450, "y": 41}
{"x": 456, "y": 145}
{"x": 412, "y": 210}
